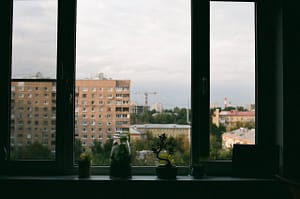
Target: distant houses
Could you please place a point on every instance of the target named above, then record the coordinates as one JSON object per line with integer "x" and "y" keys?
{"x": 233, "y": 119}
{"x": 238, "y": 136}
{"x": 138, "y": 131}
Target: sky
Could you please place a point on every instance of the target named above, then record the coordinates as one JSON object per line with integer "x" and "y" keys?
{"x": 147, "y": 42}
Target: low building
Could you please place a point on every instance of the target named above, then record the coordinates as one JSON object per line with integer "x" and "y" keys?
{"x": 232, "y": 119}
{"x": 173, "y": 130}
{"x": 135, "y": 134}
{"x": 239, "y": 136}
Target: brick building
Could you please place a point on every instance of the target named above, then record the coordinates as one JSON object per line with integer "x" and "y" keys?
{"x": 102, "y": 110}
{"x": 33, "y": 113}
{"x": 231, "y": 119}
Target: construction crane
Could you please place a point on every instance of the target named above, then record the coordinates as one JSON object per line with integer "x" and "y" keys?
{"x": 146, "y": 94}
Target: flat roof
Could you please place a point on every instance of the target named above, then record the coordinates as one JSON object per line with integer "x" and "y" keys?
{"x": 242, "y": 134}
{"x": 160, "y": 126}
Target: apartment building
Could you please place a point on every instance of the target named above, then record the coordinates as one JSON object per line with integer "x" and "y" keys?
{"x": 33, "y": 113}
{"x": 102, "y": 110}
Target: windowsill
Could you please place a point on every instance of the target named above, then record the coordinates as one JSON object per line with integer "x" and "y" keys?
{"x": 135, "y": 178}
{"x": 139, "y": 185}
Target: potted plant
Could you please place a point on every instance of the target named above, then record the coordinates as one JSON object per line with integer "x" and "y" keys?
{"x": 163, "y": 151}
{"x": 84, "y": 165}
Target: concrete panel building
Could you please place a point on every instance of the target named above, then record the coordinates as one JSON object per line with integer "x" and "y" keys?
{"x": 33, "y": 113}
{"x": 102, "y": 110}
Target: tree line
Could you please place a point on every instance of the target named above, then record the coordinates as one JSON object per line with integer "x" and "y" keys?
{"x": 168, "y": 116}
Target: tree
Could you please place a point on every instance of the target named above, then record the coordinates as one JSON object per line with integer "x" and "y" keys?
{"x": 215, "y": 147}
{"x": 32, "y": 151}
{"x": 101, "y": 152}
{"x": 168, "y": 116}
{"x": 78, "y": 149}
{"x": 180, "y": 155}
{"x": 229, "y": 108}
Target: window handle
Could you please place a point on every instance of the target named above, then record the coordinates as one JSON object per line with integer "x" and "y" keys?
{"x": 70, "y": 98}
{"x": 204, "y": 86}
{"x": 5, "y": 153}
{"x": 61, "y": 71}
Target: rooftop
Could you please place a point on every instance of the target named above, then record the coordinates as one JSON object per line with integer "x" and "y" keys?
{"x": 159, "y": 126}
{"x": 237, "y": 113}
{"x": 242, "y": 134}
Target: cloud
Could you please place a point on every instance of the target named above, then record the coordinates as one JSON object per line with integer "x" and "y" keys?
{"x": 232, "y": 47}
{"x": 34, "y": 38}
{"x": 147, "y": 42}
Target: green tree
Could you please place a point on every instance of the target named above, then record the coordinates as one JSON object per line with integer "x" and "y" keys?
{"x": 101, "y": 152}
{"x": 32, "y": 151}
{"x": 215, "y": 147}
{"x": 238, "y": 125}
{"x": 216, "y": 151}
{"x": 229, "y": 108}
{"x": 168, "y": 116}
{"x": 180, "y": 154}
{"x": 78, "y": 149}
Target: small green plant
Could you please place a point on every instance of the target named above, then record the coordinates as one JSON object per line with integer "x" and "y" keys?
{"x": 164, "y": 151}
{"x": 86, "y": 157}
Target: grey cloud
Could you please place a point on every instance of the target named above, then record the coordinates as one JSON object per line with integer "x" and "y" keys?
{"x": 145, "y": 41}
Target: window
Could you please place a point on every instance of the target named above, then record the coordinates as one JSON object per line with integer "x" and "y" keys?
{"x": 57, "y": 75}
{"x": 134, "y": 67}
{"x": 33, "y": 67}
{"x": 232, "y": 76}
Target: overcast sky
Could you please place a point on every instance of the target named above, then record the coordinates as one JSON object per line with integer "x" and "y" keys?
{"x": 147, "y": 42}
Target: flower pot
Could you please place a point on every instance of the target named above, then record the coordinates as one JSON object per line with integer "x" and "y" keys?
{"x": 84, "y": 169}
{"x": 166, "y": 172}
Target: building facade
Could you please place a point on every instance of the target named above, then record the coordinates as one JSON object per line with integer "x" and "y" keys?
{"x": 233, "y": 119}
{"x": 238, "y": 136}
{"x": 102, "y": 110}
{"x": 33, "y": 113}
{"x": 174, "y": 130}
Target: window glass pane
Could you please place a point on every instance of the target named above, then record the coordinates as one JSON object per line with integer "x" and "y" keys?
{"x": 232, "y": 76}
{"x": 33, "y": 99}
{"x": 133, "y": 76}
{"x": 34, "y": 39}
